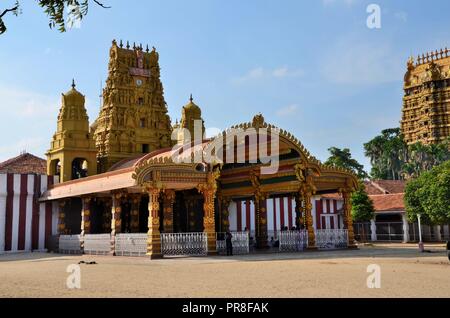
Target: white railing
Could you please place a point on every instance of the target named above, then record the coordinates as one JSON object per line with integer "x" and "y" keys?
{"x": 187, "y": 244}
{"x": 331, "y": 239}
{"x": 293, "y": 241}
{"x": 240, "y": 242}
{"x": 131, "y": 244}
{"x": 70, "y": 244}
{"x": 98, "y": 244}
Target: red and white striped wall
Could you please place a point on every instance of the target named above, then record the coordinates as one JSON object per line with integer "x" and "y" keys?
{"x": 25, "y": 223}
{"x": 325, "y": 214}
{"x": 281, "y": 213}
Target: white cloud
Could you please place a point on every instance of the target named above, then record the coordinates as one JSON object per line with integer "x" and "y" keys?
{"x": 259, "y": 73}
{"x": 24, "y": 104}
{"x": 356, "y": 60}
{"x": 287, "y": 111}
{"x": 286, "y": 72}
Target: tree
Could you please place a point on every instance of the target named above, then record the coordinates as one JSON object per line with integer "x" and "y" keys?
{"x": 387, "y": 153}
{"x": 56, "y": 11}
{"x": 362, "y": 207}
{"x": 343, "y": 158}
{"x": 429, "y": 195}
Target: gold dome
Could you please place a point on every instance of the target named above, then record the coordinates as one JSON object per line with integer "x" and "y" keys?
{"x": 73, "y": 97}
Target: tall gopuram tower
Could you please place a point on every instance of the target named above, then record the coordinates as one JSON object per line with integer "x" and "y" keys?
{"x": 133, "y": 118}
{"x": 72, "y": 153}
{"x": 192, "y": 122}
{"x": 426, "y": 104}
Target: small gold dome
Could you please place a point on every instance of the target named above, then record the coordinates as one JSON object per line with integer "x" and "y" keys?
{"x": 191, "y": 106}
{"x": 73, "y": 96}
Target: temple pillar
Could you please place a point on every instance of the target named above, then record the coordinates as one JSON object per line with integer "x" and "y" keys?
{"x": 116, "y": 222}
{"x": 299, "y": 212}
{"x": 261, "y": 221}
{"x": 107, "y": 216}
{"x": 348, "y": 221}
{"x": 61, "y": 217}
{"x": 168, "y": 201}
{"x": 209, "y": 223}
{"x": 134, "y": 223}
{"x": 153, "y": 234}
{"x": 307, "y": 194}
{"x": 85, "y": 218}
{"x": 209, "y": 190}
{"x": 225, "y": 205}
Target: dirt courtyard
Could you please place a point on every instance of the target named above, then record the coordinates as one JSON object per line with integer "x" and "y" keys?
{"x": 404, "y": 273}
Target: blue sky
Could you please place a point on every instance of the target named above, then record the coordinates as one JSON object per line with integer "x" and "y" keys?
{"x": 311, "y": 67}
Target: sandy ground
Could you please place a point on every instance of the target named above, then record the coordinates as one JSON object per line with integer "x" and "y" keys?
{"x": 404, "y": 273}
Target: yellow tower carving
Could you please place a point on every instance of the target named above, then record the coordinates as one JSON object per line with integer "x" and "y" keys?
{"x": 133, "y": 119}
{"x": 191, "y": 118}
{"x": 72, "y": 153}
{"x": 426, "y": 106}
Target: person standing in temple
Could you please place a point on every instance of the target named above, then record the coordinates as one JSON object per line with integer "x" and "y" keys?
{"x": 229, "y": 243}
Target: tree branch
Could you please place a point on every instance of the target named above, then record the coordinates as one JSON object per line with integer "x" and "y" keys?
{"x": 101, "y": 4}
{"x": 11, "y": 10}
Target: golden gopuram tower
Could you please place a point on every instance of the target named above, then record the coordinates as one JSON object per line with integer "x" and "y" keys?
{"x": 133, "y": 118}
{"x": 426, "y": 103}
{"x": 72, "y": 153}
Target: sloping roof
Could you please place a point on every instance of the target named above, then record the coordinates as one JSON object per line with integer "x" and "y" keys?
{"x": 25, "y": 163}
{"x": 388, "y": 202}
{"x": 385, "y": 187}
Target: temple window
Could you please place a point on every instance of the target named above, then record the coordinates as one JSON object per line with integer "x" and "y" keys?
{"x": 145, "y": 148}
{"x": 142, "y": 123}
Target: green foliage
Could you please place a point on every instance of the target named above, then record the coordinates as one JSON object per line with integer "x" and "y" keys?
{"x": 392, "y": 159}
{"x": 59, "y": 12}
{"x": 387, "y": 153}
{"x": 343, "y": 158}
{"x": 362, "y": 206}
{"x": 429, "y": 195}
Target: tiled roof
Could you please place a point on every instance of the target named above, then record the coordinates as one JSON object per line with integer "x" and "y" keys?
{"x": 335, "y": 196}
{"x": 388, "y": 202}
{"x": 24, "y": 164}
{"x": 385, "y": 187}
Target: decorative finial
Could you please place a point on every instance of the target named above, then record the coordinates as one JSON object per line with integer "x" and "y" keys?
{"x": 73, "y": 83}
{"x": 147, "y": 49}
{"x": 121, "y": 44}
{"x": 128, "y": 44}
{"x": 191, "y": 98}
